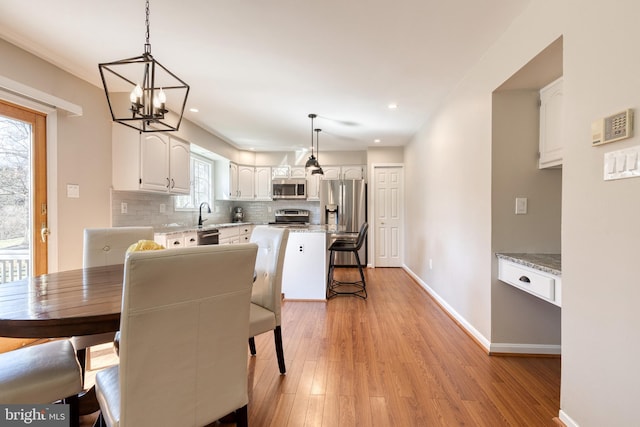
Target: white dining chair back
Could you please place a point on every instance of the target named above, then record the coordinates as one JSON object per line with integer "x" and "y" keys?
{"x": 184, "y": 323}
{"x": 108, "y": 246}
{"x": 266, "y": 295}
{"x": 105, "y": 246}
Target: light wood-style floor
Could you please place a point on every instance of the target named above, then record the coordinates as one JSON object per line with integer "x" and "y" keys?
{"x": 395, "y": 359}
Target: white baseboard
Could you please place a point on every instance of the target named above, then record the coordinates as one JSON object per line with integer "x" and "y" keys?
{"x": 461, "y": 320}
{"x": 497, "y": 348}
{"x": 567, "y": 419}
{"x": 494, "y": 348}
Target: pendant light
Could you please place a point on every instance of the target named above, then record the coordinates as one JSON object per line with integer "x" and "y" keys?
{"x": 142, "y": 94}
{"x": 312, "y": 162}
{"x": 318, "y": 170}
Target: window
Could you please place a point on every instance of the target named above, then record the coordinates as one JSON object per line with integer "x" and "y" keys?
{"x": 201, "y": 185}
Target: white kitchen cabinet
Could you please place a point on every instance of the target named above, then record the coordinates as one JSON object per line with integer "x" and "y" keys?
{"x": 551, "y": 125}
{"x": 177, "y": 239}
{"x": 304, "y": 273}
{"x": 344, "y": 172}
{"x": 541, "y": 284}
{"x": 331, "y": 172}
{"x": 263, "y": 182}
{"x": 229, "y": 235}
{"x": 244, "y": 232}
{"x": 245, "y": 183}
{"x": 152, "y": 162}
{"x": 279, "y": 172}
{"x": 298, "y": 172}
{"x": 233, "y": 180}
{"x": 353, "y": 172}
{"x": 313, "y": 186}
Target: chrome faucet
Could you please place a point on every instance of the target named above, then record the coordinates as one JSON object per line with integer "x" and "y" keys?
{"x": 200, "y": 220}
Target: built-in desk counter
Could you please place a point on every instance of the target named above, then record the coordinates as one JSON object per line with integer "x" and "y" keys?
{"x": 537, "y": 274}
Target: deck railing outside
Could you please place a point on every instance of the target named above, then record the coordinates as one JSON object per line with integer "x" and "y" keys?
{"x": 14, "y": 264}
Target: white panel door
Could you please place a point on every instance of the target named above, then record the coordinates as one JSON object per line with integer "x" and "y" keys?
{"x": 388, "y": 203}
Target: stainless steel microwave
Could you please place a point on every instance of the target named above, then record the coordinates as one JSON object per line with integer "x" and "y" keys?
{"x": 292, "y": 188}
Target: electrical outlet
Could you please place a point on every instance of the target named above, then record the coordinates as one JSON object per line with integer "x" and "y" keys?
{"x": 123, "y": 207}
{"x": 163, "y": 208}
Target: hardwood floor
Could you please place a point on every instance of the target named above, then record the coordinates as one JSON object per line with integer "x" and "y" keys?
{"x": 395, "y": 359}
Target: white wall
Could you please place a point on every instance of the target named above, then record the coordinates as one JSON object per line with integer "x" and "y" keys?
{"x": 449, "y": 215}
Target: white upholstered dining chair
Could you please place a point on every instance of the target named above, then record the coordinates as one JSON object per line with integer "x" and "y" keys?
{"x": 266, "y": 294}
{"x": 105, "y": 246}
{"x": 183, "y": 329}
{"x": 42, "y": 374}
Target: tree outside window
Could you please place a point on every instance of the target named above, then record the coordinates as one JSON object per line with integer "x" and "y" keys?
{"x": 201, "y": 185}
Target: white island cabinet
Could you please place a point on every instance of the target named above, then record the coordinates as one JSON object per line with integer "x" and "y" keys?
{"x": 304, "y": 273}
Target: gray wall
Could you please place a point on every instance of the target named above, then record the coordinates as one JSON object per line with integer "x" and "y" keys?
{"x": 449, "y": 216}
{"x": 516, "y": 316}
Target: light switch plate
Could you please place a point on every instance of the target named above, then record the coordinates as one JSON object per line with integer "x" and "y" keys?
{"x": 521, "y": 205}
{"x": 621, "y": 164}
{"x": 73, "y": 191}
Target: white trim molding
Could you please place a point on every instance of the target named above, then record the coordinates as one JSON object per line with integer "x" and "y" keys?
{"x": 482, "y": 340}
{"x": 551, "y": 349}
{"x": 39, "y": 96}
{"x": 491, "y": 348}
{"x": 569, "y": 422}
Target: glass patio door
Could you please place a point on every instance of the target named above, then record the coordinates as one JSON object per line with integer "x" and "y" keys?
{"x": 23, "y": 189}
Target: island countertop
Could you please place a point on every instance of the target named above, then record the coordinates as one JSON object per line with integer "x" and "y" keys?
{"x": 549, "y": 263}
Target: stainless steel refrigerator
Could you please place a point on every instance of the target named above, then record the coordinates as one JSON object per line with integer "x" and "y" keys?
{"x": 343, "y": 205}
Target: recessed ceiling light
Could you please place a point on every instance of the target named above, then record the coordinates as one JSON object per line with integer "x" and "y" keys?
{"x": 377, "y": 141}
{"x": 193, "y": 110}
{"x": 392, "y": 106}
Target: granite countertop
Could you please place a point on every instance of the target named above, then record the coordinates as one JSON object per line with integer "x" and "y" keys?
{"x": 549, "y": 263}
{"x": 169, "y": 229}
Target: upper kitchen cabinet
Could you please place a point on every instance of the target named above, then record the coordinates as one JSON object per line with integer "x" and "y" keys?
{"x": 263, "y": 182}
{"x": 245, "y": 183}
{"x": 313, "y": 186}
{"x": 298, "y": 172}
{"x": 279, "y": 172}
{"x": 344, "y": 172}
{"x": 239, "y": 182}
{"x": 153, "y": 162}
{"x": 551, "y": 125}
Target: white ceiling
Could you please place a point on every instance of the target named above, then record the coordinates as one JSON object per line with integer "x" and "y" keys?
{"x": 257, "y": 68}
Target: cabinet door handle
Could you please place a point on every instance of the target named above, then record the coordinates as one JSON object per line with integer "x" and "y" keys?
{"x": 173, "y": 183}
{"x": 524, "y": 279}
{"x": 168, "y": 182}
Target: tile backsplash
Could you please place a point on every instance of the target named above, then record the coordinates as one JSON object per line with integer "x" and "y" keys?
{"x": 158, "y": 210}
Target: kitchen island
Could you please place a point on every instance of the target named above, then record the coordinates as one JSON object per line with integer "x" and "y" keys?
{"x": 304, "y": 273}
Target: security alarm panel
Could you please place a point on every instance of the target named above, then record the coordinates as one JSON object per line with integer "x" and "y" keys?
{"x": 613, "y": 128}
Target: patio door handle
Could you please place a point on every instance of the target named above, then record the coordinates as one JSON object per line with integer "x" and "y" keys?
{"x": 44, "y": 232}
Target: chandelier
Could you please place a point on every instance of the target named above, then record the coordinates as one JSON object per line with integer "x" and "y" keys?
{"x": 142, "y": 94}
{"x": 312, "y": 162}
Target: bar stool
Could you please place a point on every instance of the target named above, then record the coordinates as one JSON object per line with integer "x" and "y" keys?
{"x": 357, "y": 288}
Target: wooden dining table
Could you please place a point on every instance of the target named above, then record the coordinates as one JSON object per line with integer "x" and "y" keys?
{"x": 64, "y": 304}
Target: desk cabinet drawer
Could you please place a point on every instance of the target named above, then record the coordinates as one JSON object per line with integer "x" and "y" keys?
{"x": 527, "y": 279}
